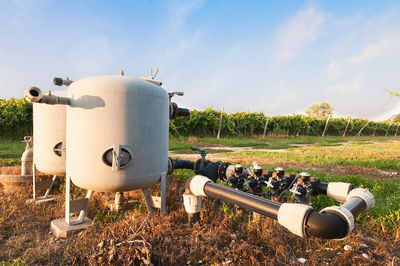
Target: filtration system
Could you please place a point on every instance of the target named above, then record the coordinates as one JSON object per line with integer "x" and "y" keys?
{"x": 110, "y": 134}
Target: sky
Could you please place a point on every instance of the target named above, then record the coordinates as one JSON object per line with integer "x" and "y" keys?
{"x": 276, "y": 57}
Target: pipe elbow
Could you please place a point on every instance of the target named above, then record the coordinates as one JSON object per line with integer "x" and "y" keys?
{"x": 35, "y": 95}
{"x": 331, "y": 223}
{"x": 196, "y": 185}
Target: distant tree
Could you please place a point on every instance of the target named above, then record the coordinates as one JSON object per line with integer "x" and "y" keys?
{"x": 395, "y": 118}
{"x": 320, "y": 110}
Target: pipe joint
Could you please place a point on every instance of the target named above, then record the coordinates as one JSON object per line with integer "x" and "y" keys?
{"x": 197, "y": 184}
{"x": 345, "y": 214}
{"x": 365, "y": 195}
{"x": 338, "y": 191}
{"x": 292, "y": 216}
{"x": 35, "y": 95}
{"x": 192, "y": 203}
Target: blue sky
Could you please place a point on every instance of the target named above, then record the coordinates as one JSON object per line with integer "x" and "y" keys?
{"x": 271, "y": 56}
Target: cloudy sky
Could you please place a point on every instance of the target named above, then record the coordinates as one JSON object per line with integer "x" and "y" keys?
{"x": 271, "y": 56}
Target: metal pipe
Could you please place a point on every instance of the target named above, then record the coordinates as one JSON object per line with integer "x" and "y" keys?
{"x": 35, "y": 95}
{"x": 257, "y": 204}
{"x": 61, "y": 82}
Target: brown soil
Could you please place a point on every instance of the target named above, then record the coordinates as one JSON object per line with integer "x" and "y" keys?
{"x": 226, "y": 235}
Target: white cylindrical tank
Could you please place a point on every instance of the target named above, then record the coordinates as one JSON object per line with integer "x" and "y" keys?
{"x": 117, "y": 133}
{"x": 49, "y": 137}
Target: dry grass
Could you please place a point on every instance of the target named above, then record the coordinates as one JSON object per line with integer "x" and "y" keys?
{"x": 226, "y": 235}
{"x": 10, "y": 170}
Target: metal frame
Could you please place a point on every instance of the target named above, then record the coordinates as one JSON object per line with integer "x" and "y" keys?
{"x": 72, "y": 206}
{"x": 151, "y": 200}
{"x": 48, "y": 184}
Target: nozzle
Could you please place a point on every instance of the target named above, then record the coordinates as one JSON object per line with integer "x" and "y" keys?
{"x": 35, "y": 95}
{"x": 61, "y": 82}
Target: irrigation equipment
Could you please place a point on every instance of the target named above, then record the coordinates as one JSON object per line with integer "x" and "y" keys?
{"x": 117, "y": 140}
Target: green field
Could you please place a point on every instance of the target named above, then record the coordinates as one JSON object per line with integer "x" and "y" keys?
{"x": 366, "y": 162}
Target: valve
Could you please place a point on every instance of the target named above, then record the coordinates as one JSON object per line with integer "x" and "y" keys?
{"x": 302, "y": 189}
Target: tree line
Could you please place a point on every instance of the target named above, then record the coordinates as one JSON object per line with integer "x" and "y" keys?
{"x": 16, "y": 122}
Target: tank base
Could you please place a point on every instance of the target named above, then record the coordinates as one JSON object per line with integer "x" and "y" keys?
{"x": 14, "y": 182}
{"x": 41, "y": 200}
{"x": 62, "y": 230}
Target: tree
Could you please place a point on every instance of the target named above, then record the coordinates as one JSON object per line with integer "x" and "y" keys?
{"x": 395, "y": 118}
{"x": 320, "y": 110}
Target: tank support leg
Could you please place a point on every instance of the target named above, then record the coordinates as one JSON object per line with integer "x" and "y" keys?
{"x": 163, "y": 193}
{"x": 41, "y": 185}
{"x": 157, "y": 202}
{"x": 34, "y": 181}
{"x": 66, "y": 226}
{"x": 67, "y": 199}
{"x": 149, "y": 200}
{"x": 82, "y": 214}
{"x": 50, "y": 187}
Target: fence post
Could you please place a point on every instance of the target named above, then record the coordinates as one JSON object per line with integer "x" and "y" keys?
{"x": 220, "y": 123}
{"x": 387, "y": 130}
{"x": 345, "y": 130}
{"x": 326, "y": 125}
{"x": 265, "y": 127}
{"x": 397, "y": 129}
{"x": 376, "y": 125}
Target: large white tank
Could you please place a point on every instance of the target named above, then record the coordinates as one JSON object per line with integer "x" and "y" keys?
{"x": 49, "y": 137}
{"x": 117, "y": 133}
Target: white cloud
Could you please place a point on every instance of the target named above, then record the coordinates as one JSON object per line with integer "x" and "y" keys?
{"x": 373, "y": 50}
{"x": 345, "y": 87}
{"x": 297, "y": 32}
{"x": 180, "y": 11}
{"x": 333, "y": 70}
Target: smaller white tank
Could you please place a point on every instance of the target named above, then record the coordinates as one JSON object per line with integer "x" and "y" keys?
{"x": 49, "y": 137}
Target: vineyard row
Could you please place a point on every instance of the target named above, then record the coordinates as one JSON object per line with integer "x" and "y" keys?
{"x": 16, "y": 121}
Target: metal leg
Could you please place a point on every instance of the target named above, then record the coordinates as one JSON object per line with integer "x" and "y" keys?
{"x": 149, "y": 200}
{"x": 34, "y": 181}
{"x": 163, "y": 193}
{"x": 50, "y": 187}
{"x": 67, "y": 199}
{"x": 82, "y": 214}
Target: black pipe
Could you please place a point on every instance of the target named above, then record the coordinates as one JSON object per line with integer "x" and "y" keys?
{"x": 325, "y": 225}
{"x": 183, "y": 112}
{"x": 322, "y": 188}
{"x": 182, "y": 164}
{"x": 60, "y": 82}
{"x": 355, "y": 205}
{"x": 257, "y": 204}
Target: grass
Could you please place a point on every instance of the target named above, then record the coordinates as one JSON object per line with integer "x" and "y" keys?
{"x": 324, "y": 160}
{"x": 226, "y": 233}
{"x": 182, "y": 147}
{"x": 11, "y": 149}
{"x": 10, "y": 152}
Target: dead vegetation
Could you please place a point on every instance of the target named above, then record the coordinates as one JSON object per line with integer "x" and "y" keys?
{"x": 226, "y": 235}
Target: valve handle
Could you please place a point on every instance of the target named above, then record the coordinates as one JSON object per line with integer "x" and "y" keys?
{"x": 202, "y": 152}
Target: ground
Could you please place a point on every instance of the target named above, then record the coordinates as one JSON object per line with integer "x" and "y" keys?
{"x": 225, "y": 234}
